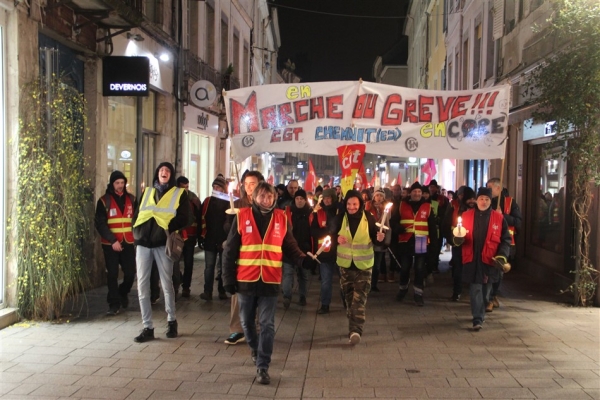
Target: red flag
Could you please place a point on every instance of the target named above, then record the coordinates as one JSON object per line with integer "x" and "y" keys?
{"x": 270, "y": 179}
{"x": 351, "y": 157}
{"x": 364, "y": 183}
{"x": 429, "y": 169}
{"x": 399, "y": 179}
{"x": 311, "y": 178}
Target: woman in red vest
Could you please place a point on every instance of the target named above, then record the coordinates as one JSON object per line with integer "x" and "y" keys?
{"x": 485, "y": 248}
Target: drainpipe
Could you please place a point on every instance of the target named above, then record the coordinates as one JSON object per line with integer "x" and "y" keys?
{"x": 178, "y": 88}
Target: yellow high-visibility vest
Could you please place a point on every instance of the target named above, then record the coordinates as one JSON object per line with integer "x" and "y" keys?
{"x": 358, "y": 248}
{"x": 163, "y": 212}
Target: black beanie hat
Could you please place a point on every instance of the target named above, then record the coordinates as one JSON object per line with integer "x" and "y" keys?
{"x": 467, "y": 193}
{"x": 416, "y": 185}
{"x": 171, "y": 178}
{"x": 116, "y": 175}
{"x": 424, "y": 189}
{"x": 301, "y": 193}
{"x": 281, "y": 186}
{"x": 182, "y": 179}
{"x": 221, "y": 182}
{"x": 483, "y": 191}
{"x": 433, "y": 182}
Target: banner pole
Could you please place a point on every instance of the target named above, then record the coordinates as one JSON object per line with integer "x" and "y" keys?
{"x": 501, "y": 181}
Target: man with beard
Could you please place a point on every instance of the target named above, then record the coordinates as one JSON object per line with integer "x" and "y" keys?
{"x": 320, "y": 224}
{"x": 485, "y": 250}
{"x": 455, "y": 210}
{"x": 164, "y": 209}
{"x": 298, "y": 215}
{"x": 355, "y": 232}
{"x": 415, "y": 227}
{"x": 114, "y": 212}
{"x": 252, "y": 262}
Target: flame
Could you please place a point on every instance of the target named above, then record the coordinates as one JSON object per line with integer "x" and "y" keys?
{"x": 327, "y": 241}
{"x": 459, "y": 220}
{"x": 310, "y": 201}
{"x": 230, "y": 187}
{"x": 388, "y": 207}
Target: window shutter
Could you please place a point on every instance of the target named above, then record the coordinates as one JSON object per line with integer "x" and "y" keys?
{"x": 498, "y": 18}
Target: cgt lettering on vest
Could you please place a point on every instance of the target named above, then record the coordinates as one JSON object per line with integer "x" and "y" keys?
{"x": 128, "y": 87}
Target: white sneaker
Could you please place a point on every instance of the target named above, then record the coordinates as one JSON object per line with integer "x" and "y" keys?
{"x": 354, "y": 338}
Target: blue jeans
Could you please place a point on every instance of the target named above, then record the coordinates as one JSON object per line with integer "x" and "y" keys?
{"x": 479, "y": 293}
{"x": 287, "y": 281}
{"x": 144, "y": 258}
{"x": 210, "y": 261}
{"x": 327, "y": 271}
{"x": 261, "y": 342}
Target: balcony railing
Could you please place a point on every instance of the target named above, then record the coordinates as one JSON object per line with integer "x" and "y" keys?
{"x": 198, "y": 70}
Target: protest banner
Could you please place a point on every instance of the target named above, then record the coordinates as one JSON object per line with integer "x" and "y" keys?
{"x": 317, "y": 118}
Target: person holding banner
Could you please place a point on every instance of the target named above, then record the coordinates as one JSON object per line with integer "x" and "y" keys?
{"x": 505, "y": 204}
{"x": 212, "y": 236}
{"x": 485, "y": 246}
{"x": 321, "y": 221}
{"x": 416, "y": 229}
{"x": 355, "y": 232}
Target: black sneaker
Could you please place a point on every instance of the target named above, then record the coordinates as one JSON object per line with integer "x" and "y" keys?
{"x": 254, "y": 355}
{"x": 235, "y": 338}
{"x": 401, "y": 294}
{"x": 375, "y": 289}
{"x": 146, "y": 335}
{"x": 206, "y": 296}
{"x": 419, "y": 300}
{"x": 455, "y": 297}
{"x": 262, "y": 376}
{"x": 172, "y": 329}
{"x": 222, "y": 296}
{"x": 286, "y": 302}
{"x": 124, "y": 301}
{"x": 113, "y": 310}
{"x": 302, "y": 301}
{"x": 154, "y": 300}
{"x": 185, "y": 293}
{"x": 323, "y": 310}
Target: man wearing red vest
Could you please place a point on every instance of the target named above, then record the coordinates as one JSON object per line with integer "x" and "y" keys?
{"x": 414, "y": 227}
{"x": 485, "y": 248}
{"x": 252, "y": 267}
{"x": 114, "y": 211}
{"x": 190, "y": 234}
{"x": 505, "y": 204}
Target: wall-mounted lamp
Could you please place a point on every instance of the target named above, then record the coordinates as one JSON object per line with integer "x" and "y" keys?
{"x": 267, "y": 65}
{"x": 135, "y": 36}
{"x": 162, "y": 56}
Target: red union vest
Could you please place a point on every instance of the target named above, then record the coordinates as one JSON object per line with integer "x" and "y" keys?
{"x": 288, "y": 214}
{"x": 191, "y": 230}
{"x": 511, "y": 229}
{"x": 119, "y": 222}
{"x": 492, "y": 239}
{"x": 260, "y": 258}
{"x": 414, "y": 223}
{"x": 322, "y": 221}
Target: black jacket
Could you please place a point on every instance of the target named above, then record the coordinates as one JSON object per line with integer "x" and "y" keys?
{"x": 101, "y": 217}
{"x": 301, "y": 228}
{"x": 215, "y": 219}
{"x": 477, "y": 271}
{"x": 231, "y": 253}
{"x": 319, "y": 232}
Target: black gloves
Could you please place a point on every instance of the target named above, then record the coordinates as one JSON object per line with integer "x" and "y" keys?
{"x": 231, "y": 289}
{"x": 308, "y": 263}
{"x": 201, "y": 242}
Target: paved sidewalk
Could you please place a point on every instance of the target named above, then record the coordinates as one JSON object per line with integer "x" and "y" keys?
{"x": 532, "y": 347}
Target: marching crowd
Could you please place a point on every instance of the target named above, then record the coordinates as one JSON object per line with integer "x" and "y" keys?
{"x": 256, "y": 246}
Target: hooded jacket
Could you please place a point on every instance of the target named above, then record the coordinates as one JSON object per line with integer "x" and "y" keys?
{"x": 150, "y": 234}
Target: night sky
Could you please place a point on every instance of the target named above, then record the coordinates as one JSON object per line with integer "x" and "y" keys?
{"x": 337, "y": 48}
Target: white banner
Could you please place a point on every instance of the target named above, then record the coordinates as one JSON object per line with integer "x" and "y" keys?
{"x": 317, "y": 118}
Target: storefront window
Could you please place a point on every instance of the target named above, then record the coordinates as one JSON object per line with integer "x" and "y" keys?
{"x": 121, "y": 138}
{"x": 199, "y": 165}
{"x": 549, "y": 204}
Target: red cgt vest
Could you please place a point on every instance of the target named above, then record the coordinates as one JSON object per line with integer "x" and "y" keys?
{"x": 414, "y": 223}
{"x": 192, "y": 230}
{"x": 492, "y": 239}
{"x": 119, "y": 223}
{"x": 261, "y": 258}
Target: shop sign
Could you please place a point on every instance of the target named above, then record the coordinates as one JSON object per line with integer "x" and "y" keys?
{"x": 125, "y": 76}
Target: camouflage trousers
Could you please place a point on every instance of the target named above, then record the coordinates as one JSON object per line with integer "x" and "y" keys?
{"x": 356, "y": 285}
